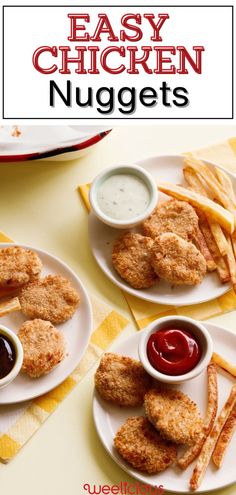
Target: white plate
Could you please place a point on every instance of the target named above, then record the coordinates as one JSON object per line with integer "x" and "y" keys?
{"x": 101, "y": 237}
{"x": 108, "y": 419}
{"x": 76, "y": 331}
{"x": 62, "y": 142}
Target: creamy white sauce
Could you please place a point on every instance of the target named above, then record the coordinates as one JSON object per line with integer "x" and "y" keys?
{"x": 123, "y": 196}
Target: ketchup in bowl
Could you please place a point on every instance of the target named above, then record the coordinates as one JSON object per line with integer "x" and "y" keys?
{"x": 173, "y": 351}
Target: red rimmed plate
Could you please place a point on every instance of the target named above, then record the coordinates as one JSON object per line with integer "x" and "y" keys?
{"x": 49, "y": 142}
{"x": 108, "y": 418}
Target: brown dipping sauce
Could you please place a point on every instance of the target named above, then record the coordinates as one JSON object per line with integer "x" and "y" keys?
{"x": 7, "y": 356}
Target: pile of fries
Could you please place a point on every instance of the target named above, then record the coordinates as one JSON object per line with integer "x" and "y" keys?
{"x": 211, "y": 193}
{"x": 217, "y": 432}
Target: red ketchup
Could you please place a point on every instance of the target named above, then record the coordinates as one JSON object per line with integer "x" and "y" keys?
{"x": 173, "y": 351}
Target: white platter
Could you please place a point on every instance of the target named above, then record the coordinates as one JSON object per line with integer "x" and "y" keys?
{"x": 108, "y": 418}
{"x": 101, "y": 238}
{"x": 76, "y": 331}
{"x": 62, "y": 142}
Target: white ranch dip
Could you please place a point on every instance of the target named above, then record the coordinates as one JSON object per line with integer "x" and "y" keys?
{"x": 123, "y": 196}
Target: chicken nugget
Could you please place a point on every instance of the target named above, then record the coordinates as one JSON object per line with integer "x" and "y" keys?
{"x": 52, "y": 298}
{"x": 174, "y": 415}
{"x": 177, "y": 261}
{"x": 142, "y": 446}
{"x": 178, "y": 217}
{"x": 122, "y": 380}
{"x": 43, "y": 347}
{"x": 131, "y": 258}
{"x": 18, "y": 266}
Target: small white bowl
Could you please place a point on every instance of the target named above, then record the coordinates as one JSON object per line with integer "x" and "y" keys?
{"x": 135, "y": 170}
{"x": 19, "y": 356}
{"x": 183, "y": 323}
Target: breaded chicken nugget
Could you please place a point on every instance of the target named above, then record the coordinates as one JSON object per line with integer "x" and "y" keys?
{"x": 43, "y": 346}
{"x": 142, "y": 446}
{"x": 18, "y": 266}
{"x": 122, "y": 380}
{"x": 52, "y": 298}
{"x": 177, "y": 261}
{"x": 131, "y": 258}
{"x": 173, "y": 216}
{"x": 174, "y": 415}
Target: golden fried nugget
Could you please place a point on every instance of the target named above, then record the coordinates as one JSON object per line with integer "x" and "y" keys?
{"x": 131, "y": 258}
{"x": 52, "y": 298}
{"x": 142, "y": 446}
{"x": 18, "y": 266}
{"x": 174, "y": 415}
{"x": 178, "y": 217}
{"x": 122, "y": 380}
{"x": 177, "y": 261}
{"x": 43, "y": 346}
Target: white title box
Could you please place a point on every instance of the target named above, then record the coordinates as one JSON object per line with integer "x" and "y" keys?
{"x": 150, "y": 62}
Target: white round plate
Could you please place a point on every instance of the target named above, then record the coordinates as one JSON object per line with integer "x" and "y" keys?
{"x": 108, "y": 419}
{"x": 76, "y": 331}
{"x": 62, "y": 142}
{"x": 101, "y": 238}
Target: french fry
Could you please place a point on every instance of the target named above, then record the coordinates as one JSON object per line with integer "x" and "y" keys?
{"x": 193, "y": 180}
{"x": 210, "y": 442}
{"x": 212, "y": 396}
{"x": 221, "y": 267}
{"x": 193, "y": 451}
{"x": 222, "y": 271}
{"x": 224, "y": 179}
{"x": 226, "y": 183}
{"x": 223, "y": 241}
{"x": 214, "y": 185}
{"x": 224, "y": 439}
{"x": 216, "y": 230}
{"x": 9, "y": 306}
{"x": 219, "y": 236}
{"x": 231, "y": 262}
{"x": 225, "y": 365}
{"x": 203, "y": 248}
{"x": 233, "y": 239}
{"x": 217, "y": 212}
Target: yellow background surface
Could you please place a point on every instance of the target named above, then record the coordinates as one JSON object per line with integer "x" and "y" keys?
{"x": 40, "y": 206}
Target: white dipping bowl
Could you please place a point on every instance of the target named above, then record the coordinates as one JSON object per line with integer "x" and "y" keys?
{"x": 129, "y": 170}
{"x": 183, "y": 323}
{"x": 12, "y": 337}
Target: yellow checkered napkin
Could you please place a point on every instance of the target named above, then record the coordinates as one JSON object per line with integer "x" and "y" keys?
{"x": 144, "y": 312}
{"x": 19, "y": 422}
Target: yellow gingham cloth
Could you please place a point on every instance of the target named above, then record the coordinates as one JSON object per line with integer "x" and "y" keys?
{"x": 19, "y": 422}
{"x": 144, "y": 312}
